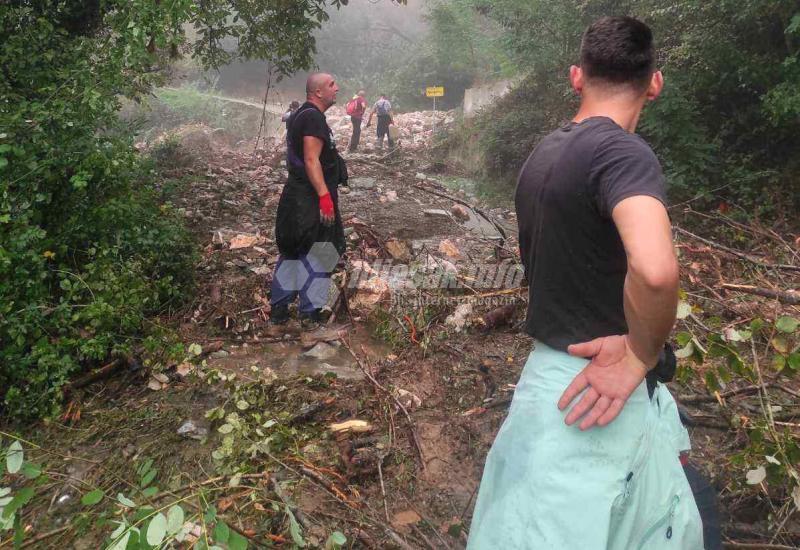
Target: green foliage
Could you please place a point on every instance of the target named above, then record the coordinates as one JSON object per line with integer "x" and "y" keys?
{"x": 727, "y": 125}
{"x": 87, "y": 250}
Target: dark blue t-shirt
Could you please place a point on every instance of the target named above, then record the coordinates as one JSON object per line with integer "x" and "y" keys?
{"x": 308, "y": 120}
{"x": 574, "y": 259}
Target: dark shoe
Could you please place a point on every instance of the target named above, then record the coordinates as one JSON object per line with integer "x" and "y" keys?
{"x": 311, "y": 320}
{"x": 279, "y": 315}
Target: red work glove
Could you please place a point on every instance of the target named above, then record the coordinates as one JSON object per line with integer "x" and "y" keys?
{"x": 326, "y": 209}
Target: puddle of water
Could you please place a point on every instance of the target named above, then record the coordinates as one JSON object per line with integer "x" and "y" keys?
{"x": 288, "y": 359}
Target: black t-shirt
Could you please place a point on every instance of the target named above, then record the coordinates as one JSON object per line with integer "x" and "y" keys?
{"x": 574, "y": 260}
{"x": 308, "y": 120}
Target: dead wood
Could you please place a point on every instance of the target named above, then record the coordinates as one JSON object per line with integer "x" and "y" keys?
{"x": 784, "y": 296}
{"x": 737, "y": 253}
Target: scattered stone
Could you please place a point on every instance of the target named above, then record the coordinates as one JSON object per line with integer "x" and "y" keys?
{"x": 405, "y": 519}
{"x": 191, "y": 430}
{"x": 408, "y": 399}
{"x": 218, "y": 239}
{"x": 261, "y": 270}
{"x": 460, "y": 212}
{"x": 321, "y": 352}
{"x": 363, "y": 183}
{"x": 449, "y": 249}
{"x": 399, "y": 250}
{"x": 420, "y": 176}
{"x": 370, "y": 293}
{"x": 184, "y": 369}
{"x": 244, "y": 241}
{"x": 391, "y": 196}
{"x": 219, "y": 354}
{"x": 458, "y": 319}
{"x": 436, "y": 212}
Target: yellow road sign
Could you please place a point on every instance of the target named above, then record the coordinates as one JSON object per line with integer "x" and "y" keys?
{"x": 434, "y": 91}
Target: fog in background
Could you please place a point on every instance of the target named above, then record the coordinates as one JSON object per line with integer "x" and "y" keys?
{"x": 357, "y": 45}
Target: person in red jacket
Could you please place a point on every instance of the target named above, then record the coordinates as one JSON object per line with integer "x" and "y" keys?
{"x": 356, "y": 108}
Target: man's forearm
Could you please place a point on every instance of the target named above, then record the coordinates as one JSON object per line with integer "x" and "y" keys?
{"x": 314, "y": 171}
{"x": 650, "y": 313}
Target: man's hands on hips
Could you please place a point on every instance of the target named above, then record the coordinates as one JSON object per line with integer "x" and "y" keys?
{"x": 611, "y": 376}
{"x": 326, "y": 211}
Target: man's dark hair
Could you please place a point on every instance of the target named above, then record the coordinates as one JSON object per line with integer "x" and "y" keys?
{"x": 618, "y": 50}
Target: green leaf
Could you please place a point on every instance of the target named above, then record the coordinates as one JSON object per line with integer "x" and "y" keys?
{"x": 150, "y": 492}
{"x": 148, "y": 477}
{"x": 14, "y": 457}
{"x": 237, "y": 542}
{"x": 684, "y": 310}
{"x": 93, "y": 497}
{"x": 175, "y": 518}
{"x": 3, "y": 162}
{"x": 195, "y": 349}
{"x": 145, "y": 466}
{"x": 221, "y": 532}
{"x": 780, "y": 344}
{"x": 778, "y": 363}
{"x": 787, "y": 324}
{"x": 335, "y": 541}
{"x": 683, "y": 338}
{"x": 294, "y": 529}
{"x": 225, "y": 429}
{"x": 794, "y": 361}
{"x": 121, "y": 543}
{"x": 125, "y": 501}
{"x": 20, "y": 499}
{"x": 31, "y": 471}
{"x": 157, "y": 530}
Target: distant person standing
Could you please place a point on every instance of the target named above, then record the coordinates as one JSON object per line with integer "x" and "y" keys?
{"x": 383, "y": 108}
{"x": 356, "y": 108}
{"x": 293, "y": 106}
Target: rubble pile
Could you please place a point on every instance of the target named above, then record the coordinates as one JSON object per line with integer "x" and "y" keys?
{"x": 416, "y": 128}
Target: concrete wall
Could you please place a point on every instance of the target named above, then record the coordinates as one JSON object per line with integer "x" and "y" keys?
{"x": 480, "y": 96}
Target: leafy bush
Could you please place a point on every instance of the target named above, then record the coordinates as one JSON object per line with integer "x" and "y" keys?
{"x": 87, "y": 252}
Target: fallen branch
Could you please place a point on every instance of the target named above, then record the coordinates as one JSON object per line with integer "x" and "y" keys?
{"x": 483, "y": 214}
{"x": 737, "y": 253}
{"x": 790, "y": 297}
{"x": 99, "y": 374}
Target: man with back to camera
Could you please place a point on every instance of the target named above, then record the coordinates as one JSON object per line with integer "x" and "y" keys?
{"x": 383, "y": 108}
{"x": 308, "y": 223}
{"x": 596, "y": 244}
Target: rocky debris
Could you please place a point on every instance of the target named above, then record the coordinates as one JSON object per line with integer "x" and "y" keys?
{"x": 449, "y": 249}
{"x": 414, "y": 130}
{"x": 403, "y": 521}
{"x": 245, "y": 241}
{"x": 390, "y": 196}
{"x": 321, "y": 352}
{"x": 409, "y": 400}
{"x": 438, "y": 212}
{"x": 363, "y": 183}
{"x": 460, "y": 317}
{"x": 191, "y": 430}
{"x": 397, "y": 249}
{"x": 370, "y": 293}
{"x": 460, "y": 212}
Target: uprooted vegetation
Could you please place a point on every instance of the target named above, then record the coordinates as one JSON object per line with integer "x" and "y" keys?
{"x": 372, "y": 431}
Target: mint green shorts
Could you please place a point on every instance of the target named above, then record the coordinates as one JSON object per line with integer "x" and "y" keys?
{"x": 548, "y": 486}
